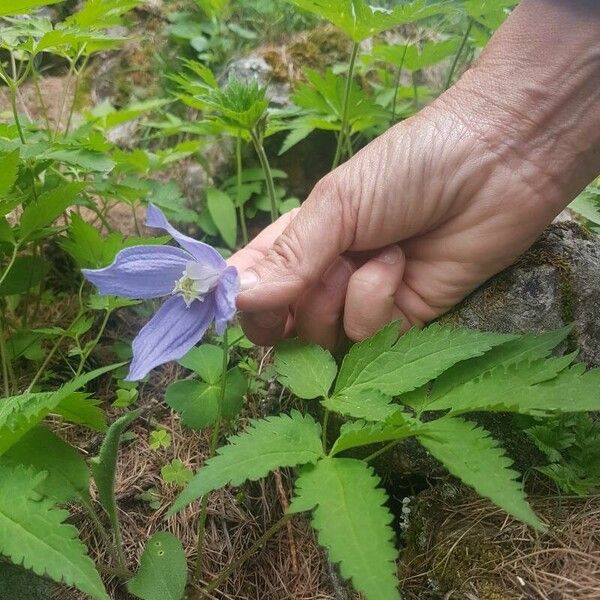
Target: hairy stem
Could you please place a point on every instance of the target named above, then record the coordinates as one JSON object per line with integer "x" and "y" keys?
{"x": 458, "y": 53}
{"x": 264, "y": 163}
{"x": 214, "y": 440}
{"x": 345, "y": 107}
{"x": 236, "y": 564}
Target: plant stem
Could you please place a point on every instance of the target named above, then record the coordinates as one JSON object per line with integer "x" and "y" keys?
{"x": 4, "y": 359}
{"x": 345, "y": 106}
{"x": 89, "y": 508}
{"x": 86, "y": 354}
{"x": 387, "y": 447}
{"x": 75, "y": 93}
{"x": 264, "y": 163}
{"x": 38, "y": 92}
{"x": 324, "y": 429}
{"x": 397, "y": 84}
{"x": 238, "y": 165}
{"x": 11, "y": 262}
{"x": 45, "y": 363}
{"x": 259, "y": 543}
{"x": 458, "y": 53}
{"x": 213, "y": 447}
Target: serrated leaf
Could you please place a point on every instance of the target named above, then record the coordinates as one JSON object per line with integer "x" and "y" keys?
{"x": 18, "y": 7}
{"x": 528, "y": 347}
{"x": 352, "y": 522}
{"x": 104, "y": 466}
{"x": 306, "y": 369}
{"x": 416, "y": 358}
{"x": 79, "y": 408}
{"x": 370, "y": 405}
{"x": 206, "y": 360}
{"x": 222, "y": 210}
{"x": 19, "y": 414}
{"x": 268, "y": 444}
{"x": 163, "y": 570}
{"x": 359, "y": 433}
{"x": 67, "y": 474}
{"x": 50, "y": 205}
{"x": 471, "y": 454}
{"x": 33, "y": 533}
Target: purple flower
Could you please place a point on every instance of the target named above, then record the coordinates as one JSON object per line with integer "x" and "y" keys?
{"x": 202, "y": 289}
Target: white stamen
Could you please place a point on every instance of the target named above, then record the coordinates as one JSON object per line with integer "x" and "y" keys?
{"x": 196, "y": 282}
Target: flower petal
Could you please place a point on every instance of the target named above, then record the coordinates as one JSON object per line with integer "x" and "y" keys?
{"x": 202, "y": 252}
{"x": 171, "y": 332}
{"x": 140, "y": 272}
{"x": 229, "y": 286}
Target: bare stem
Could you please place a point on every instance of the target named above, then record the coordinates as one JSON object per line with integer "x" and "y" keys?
{"x": 238, "y": 164}
{"x": 264, "y": 163}
{"x": 458, "y": 53}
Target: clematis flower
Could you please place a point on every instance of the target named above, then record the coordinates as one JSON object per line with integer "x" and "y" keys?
{"x": 200, "y": 287}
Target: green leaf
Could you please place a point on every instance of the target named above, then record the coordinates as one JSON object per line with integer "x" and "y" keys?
{"x": 10, "y": 168}
{"x": 359, "y": 433}
{"x": 104, "y": 465}
{"x": 33, "y": 533}
{"x": 536, "y": 388}
{"x": 47, "y": 208}
{"x": 19, "y": 7}
{"x": 176, "y": 472}
{"x": 81, "y": 158}
{"x": 67, "y": 477}
{"x": 19, "y": 414}
{"x": 352, "y": 522}
{"x": 81, "y": 409}
{"x": 370, "y": 405}
{"x": 527, "y": 347}
{"x": 268, "y": 444}
{"x": 222, "y": 211}
{"x": 6, "y": 233}
{"x": 163, "y": 570}
{"x": 416, "y": 358}
{"x": 306, "y": 369}
{"x": 360, "y": 20}
{"x": 206, "y": 360}
{"x": 160, "y": 438}
{"x": 472, "y": 455}
{"x": 26, "y": 272}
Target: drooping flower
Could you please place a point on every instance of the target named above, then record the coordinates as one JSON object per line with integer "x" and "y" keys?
{"x": 200, "y": 285}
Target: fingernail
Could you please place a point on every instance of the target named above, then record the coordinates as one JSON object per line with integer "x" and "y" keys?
{"x": 391, "y": 255}
{"x": 337, "y": 275}
{"x": 265, "y": 320}
{"x": 248, "y": 280}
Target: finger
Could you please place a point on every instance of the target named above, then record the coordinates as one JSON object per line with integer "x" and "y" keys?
{"x": 265, "y": 328}
{"x": 297, "y": 258}
{"x": 318, "y": 313}
{"x": 370, "y": 302}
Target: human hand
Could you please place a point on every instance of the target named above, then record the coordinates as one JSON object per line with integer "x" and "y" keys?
{"x": 435, "y": 206}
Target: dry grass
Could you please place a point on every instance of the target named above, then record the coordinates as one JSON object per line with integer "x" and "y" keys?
{"x": 470, "y": 549}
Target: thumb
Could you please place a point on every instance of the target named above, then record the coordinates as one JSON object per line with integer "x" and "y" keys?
{"x": 317, "y": 235}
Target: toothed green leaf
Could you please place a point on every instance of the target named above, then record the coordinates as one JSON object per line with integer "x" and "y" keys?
{"x": 352, "y": 522}
{"x": 268, "y": 444}
{"x": 369, "y": 405}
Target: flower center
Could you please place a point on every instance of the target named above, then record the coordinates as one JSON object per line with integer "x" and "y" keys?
{"x": 196, "y": 282}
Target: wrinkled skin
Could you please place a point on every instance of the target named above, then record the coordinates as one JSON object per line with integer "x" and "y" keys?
{"x": 441, "y": 202}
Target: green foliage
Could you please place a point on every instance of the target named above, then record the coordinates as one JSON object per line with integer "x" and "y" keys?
{"x": 472, "y": 455}
{"x": 160, "y": 438}
{"x": 222, "y": 210}
{"x": 360, "y": 20}
{"x": 571, "y": 444}
{"x": 33, "y": 533}
{"x": 268, "y": 444}
{"x": 67, "y": 476}
{"x": 587, "y": 205}
{"x": 163, "y": 570}
{"x": 368, "y": 404}
{"x": 307, "y": 369}
{"x": 18, "y": 7}
{"x": 352, "y": 522}
{"x": 176, "y": 472}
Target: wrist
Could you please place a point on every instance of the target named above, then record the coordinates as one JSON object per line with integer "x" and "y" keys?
{"x": 533, "y": 97}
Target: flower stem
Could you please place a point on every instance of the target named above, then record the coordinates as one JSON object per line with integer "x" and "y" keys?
{"x": 415, "y": 91}
{"x": 213, "y": 447}
{"x": 458, "y": 53}
{"x": 324, "y": 429}
{"x": 379, "y": 452}
{"x": 345, "y": 107}
{"x": 86, "y": 354}
{"x": 264, "y": 163}
{"x": 4, "y": 359}
{"x": 236, "y": 564}
{"x": 10, "y": 264}
{"x": 238, "y": 164}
